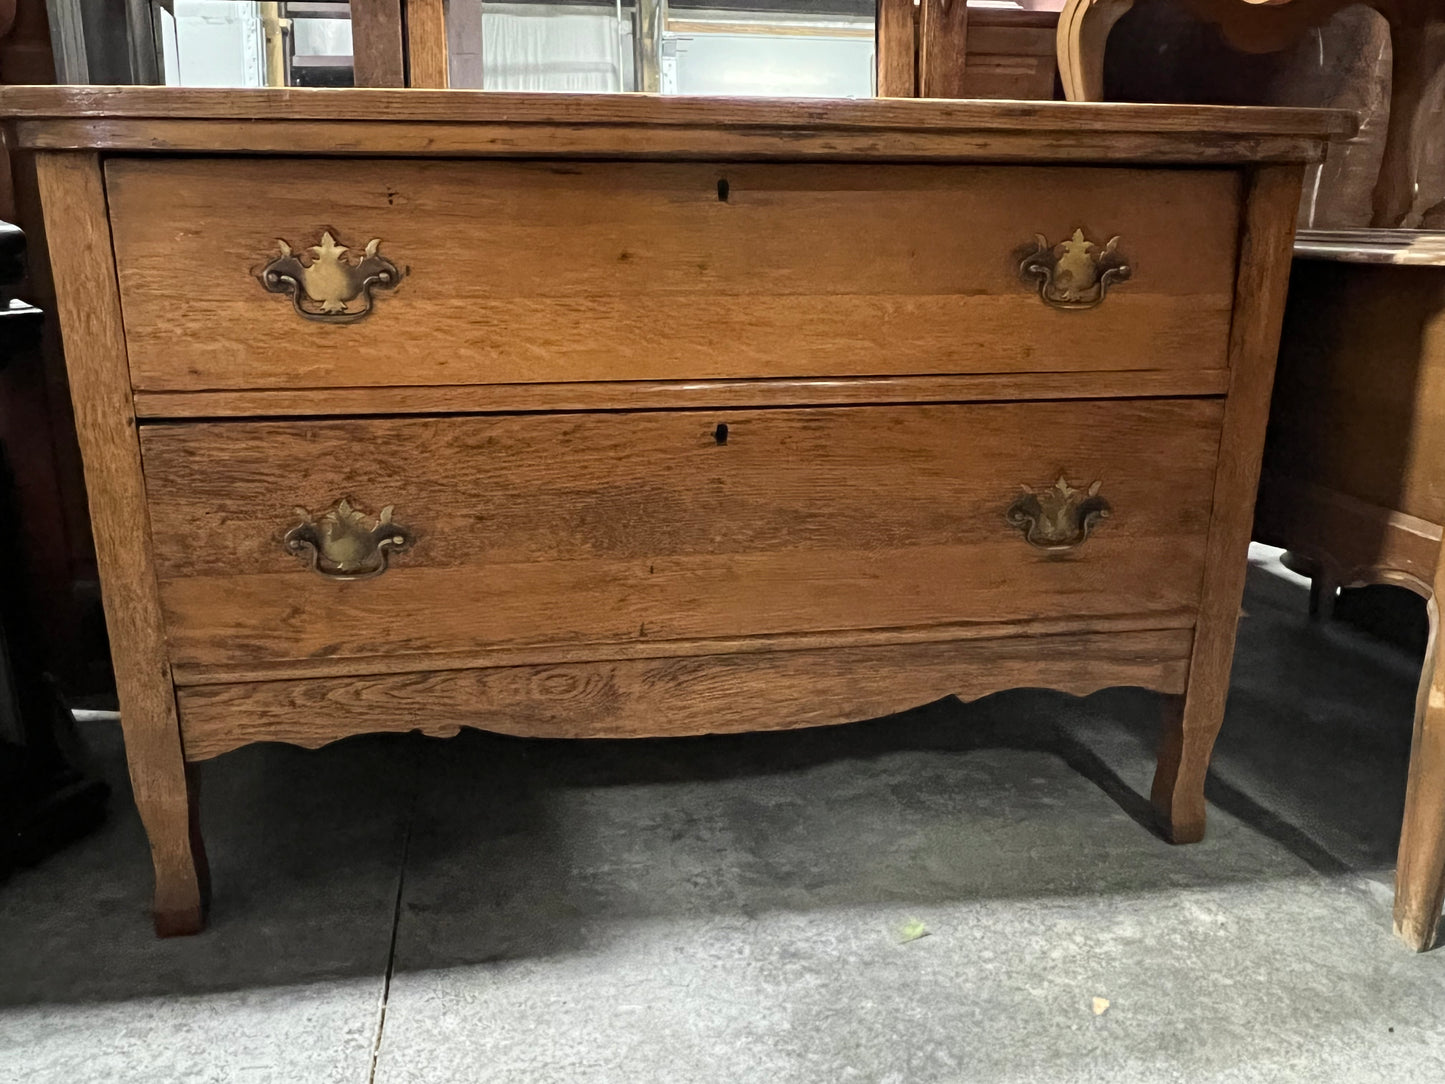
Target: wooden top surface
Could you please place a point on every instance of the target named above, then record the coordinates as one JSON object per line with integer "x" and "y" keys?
{"x": 460, "y": 122}
{"x": 474, "y": 106}
{"x": 1403, "y": 248}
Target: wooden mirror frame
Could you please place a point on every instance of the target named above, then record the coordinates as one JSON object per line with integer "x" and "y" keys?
{"x": 934, "y": 49}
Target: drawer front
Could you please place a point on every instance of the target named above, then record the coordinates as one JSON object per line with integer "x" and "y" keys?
{"x": 629, "y": 529}
{"x": 524, "y": 272}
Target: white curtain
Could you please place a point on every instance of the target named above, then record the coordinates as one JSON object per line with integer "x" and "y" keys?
{"x": 535, "y": 47}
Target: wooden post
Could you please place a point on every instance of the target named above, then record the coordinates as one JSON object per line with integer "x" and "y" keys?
{"x": 896, "y": 31}
{"x": 377, "y": 56}
{"x": 426, "y": 44}
{"x": 942, "y": 48}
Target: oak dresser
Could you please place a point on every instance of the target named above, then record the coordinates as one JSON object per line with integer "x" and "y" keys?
{"x": 614, "y": 416}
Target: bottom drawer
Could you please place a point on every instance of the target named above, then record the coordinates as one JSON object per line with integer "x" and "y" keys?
{"x": 588, "y": 529}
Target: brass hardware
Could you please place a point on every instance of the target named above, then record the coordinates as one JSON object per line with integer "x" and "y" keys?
{"x": 1075, "y": 274}
{"x": 331, "y": 286}
{"x": 340, "y": 546}
{"x": 1059, "y": 518}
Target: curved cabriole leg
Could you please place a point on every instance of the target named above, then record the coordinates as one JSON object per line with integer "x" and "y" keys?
{"x": 1178, "y": 791}
{"x": 1420, "y": 868}
{"x": 169, "y": 810}
{"x": 72, "y": 189}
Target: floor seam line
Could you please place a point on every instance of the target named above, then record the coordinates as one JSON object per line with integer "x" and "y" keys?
{"x": 395, "y": 921}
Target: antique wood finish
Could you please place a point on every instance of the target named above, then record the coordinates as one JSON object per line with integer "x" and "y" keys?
{"x": 1265, "y": 250}
{"x": 504, "y": 139}
{"x": 557, "y": 529}
{"x": 964, "y": 53}
{"x": 1011, "y": 55}
{"x": 491, "y": 124}
{"x": 675, "y": 696}
{"x": 426, "y": 43}
{"x": 378, "y": 57}
{"x": 942, "y": 47}
{"x": 1420, "y": 867}
{"x": 527, "y": 272}
{"x": 78, "y": 238}
{"x": 967, "y": 633}
{"x": 875, "y": 447}
{"x": 1354, "y": 485}
{"x": 679, "y": 394}
{"x": 896, "y": 65}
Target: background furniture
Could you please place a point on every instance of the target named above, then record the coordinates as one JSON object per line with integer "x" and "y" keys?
{"x": 1412, "y": 176}
{"x": 944, "y": 49}
{"x": 1353, "y": 483}
{"x": 44, "y": 800}
{"x": 996, "y": 452}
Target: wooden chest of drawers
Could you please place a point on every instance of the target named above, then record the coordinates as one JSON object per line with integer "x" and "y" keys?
{"x": 633, "y": 416}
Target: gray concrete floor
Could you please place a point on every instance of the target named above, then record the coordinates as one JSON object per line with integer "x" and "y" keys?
{"x": 397, "y": 909}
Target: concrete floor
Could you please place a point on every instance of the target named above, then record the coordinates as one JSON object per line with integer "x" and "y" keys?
{"x": 734, "y": 910}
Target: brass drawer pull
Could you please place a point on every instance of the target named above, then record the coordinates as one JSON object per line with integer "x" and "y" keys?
{"x": 340, "y": 546}
{"x": 1075, "y": 274}
{"x": 331, "y": 286}
{"x": 1060, "y": 518}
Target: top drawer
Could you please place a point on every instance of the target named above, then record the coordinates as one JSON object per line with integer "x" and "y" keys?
{"x": 520, "y": 272}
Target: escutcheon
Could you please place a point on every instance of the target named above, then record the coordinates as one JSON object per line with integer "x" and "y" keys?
{"x": 340, "y": 544}
{"x": 1077, "y": 273}
{"x": 332, "y": 284}
{"x": 1060, "y": 518}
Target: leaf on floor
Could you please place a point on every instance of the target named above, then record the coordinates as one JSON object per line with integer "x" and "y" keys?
{"x": 912, "y": 930}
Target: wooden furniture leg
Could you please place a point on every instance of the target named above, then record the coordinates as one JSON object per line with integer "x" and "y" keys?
{"x": 1178, "y": 791}
{"x": 77, "y": 237}
{"x": 1266, "y": 248}
{"x": 1420, "y": 867}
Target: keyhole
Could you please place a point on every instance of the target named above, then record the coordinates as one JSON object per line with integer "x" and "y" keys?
{"x": 720, "y": 434}
{"x": 722, "y": 190}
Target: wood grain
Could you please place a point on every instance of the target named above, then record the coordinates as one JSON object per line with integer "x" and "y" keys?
{"x": 671, "y": 697}
{"x": 536, "y": 272}
{"x": 1351, "y": 541}
{"x": 616, "y": 140}
{"x": 942, "y": 48}
{"x": 1007, "y": 76}
{"x": 78, "y": 242}
{"x": 377, "y": 55}
{"x": 426, "y": 43}
{"x": 961, "y": 633}
{"x": 680, "y": 394}
{"x": 557, "y": 529}
{"x": 1353, "y": 484}
{"x": 1268, "y": 234}
{"x": 1420, "y": 868}
{"x": 1359, "y": 404}
{"x": 896, "y": 57}
{"x": 696, "y": 114}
